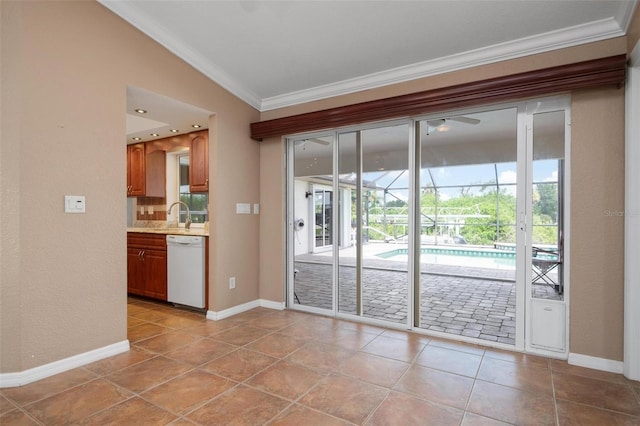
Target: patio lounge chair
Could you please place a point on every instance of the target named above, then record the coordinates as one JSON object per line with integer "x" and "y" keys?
{"x": 546, "y": 267}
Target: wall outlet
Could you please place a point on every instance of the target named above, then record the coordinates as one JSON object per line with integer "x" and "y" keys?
{"x": 232, "y": 282}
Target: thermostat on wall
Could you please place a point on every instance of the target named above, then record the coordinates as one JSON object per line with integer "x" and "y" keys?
{"x": 74, "y": 204}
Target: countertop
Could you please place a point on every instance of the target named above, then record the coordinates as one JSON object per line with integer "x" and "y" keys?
{"x": 171, "y": 231}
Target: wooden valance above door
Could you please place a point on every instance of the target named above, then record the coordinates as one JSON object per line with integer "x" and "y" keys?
{"x": 559, "y": 79}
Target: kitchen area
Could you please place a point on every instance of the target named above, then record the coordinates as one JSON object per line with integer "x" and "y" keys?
{"x": 167, "y": 200}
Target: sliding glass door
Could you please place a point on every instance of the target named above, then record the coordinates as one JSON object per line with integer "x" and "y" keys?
{"x": 373, "y": 278}
{"x": 311, "y": 231}
{"x": 451, "y": 224}
{"x": 467, "y": 248}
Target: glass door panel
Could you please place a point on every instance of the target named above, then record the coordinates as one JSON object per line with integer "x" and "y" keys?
{"x": 349, "y": 255}
{"x": 311, "y": 198}
{"x": 323, "y": 210}
{"x": 466, "y": 249}
{"x": 547, "y": 207}
{"x": 547, "y": 314}
{"x": 374, "y": 209}
{"x": 385, "y": 222}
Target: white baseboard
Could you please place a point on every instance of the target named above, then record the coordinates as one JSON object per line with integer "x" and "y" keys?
{"x": 226, "y": 313}
{"x": 596, "y": 363}
{"x": 21, "y": 378}
{"x": 278, "y": 306}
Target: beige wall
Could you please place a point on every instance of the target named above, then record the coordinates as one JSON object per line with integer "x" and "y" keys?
{"x": 65, "y": 68}
{"x": 272, "y": 220}
{"x": 597, "y": 176}
{"x": 597, "y": 233}
{"x": 64, "y": 71}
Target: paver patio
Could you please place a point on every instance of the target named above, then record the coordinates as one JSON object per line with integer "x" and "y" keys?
{"x": 462, "y": 300}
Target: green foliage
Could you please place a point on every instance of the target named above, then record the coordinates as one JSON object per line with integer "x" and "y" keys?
{"x": 546, "y": 200}
{"x": 489, "y": 215}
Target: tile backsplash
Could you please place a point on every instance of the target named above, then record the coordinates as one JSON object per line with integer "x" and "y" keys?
{"x": 151, "y": 208}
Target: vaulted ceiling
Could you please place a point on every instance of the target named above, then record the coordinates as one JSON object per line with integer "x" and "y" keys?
{"x": 278, "y": 53}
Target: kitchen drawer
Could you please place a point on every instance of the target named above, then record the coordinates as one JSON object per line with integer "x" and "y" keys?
{"x": 146, "y": 241}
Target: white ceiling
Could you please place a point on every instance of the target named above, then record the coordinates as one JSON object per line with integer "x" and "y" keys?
{"x": 279, "y": 53}
{"x": 162, "y": 116}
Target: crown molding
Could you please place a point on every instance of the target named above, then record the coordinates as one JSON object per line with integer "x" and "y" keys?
{"x": 545, "y": 81}
{"x": 626, "y": 13}
{"x": 568, "y": 37}
{"x": 564, "y": 38}
{"x": 131, "y": 14}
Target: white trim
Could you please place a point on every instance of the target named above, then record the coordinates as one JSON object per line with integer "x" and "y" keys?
{"x": 632, "y": 220}
{"x": 42, "y": 372}
{"x": 270, "y": 304}
{"x": 573, "y": 36}
{"x": 130, "y": 13}
{"x": 595, "y": 363}
{"x": 553, "y": 40}
{"x": 625, "y": 14}
{"x": 238, "y": 309}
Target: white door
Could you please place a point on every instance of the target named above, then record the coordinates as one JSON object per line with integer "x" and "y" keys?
{"x": 547, "y": 137}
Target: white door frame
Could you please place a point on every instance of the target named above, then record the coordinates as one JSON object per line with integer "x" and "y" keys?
{"x": 540, "y": 312}
{"x": 312, "y": 219}
{"x": 631, "y": 367}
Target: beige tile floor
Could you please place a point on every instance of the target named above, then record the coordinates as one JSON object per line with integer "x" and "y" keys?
{"x": 290, "y": 368}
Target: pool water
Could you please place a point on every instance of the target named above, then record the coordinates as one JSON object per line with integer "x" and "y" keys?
{"x": 478, "y": 257}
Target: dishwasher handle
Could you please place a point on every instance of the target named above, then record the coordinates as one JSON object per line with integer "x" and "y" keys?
{"x": 185, "y": 240}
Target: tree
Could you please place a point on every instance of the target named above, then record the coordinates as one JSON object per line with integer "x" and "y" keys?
{"x": 547, "y": 200}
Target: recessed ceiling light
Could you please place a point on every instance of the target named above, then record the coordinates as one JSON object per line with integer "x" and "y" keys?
{"x": 137, "y": 139}
{"x": 174, "y": 130}
{"x": 195, "y": 126}
{"x": 154, "y": 134}
{"x": 140, "y": 111}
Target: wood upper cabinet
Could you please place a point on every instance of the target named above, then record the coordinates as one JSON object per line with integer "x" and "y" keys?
{"x": 136, "y": 170}
{"x": 155, "y": 174}
{"x": 199, "y": 162}
{"x": 145, "y": 172}
{"x": 147, "y": 265}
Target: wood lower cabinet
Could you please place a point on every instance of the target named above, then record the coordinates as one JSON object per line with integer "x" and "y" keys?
{"x": 147, "y": 265}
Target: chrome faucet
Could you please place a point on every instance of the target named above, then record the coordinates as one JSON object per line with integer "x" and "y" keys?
{"x": 187, "y": 222}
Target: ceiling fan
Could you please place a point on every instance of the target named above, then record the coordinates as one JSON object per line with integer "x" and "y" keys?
{"x": 461, "y": 119}
{"x": 302, "y": 142}
{"x": 441, "y": 124}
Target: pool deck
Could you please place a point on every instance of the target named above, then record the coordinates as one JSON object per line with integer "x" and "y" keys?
{"x": 456, "y": 299}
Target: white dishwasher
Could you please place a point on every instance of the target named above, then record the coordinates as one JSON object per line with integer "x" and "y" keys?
{"x": 185, "y": 270}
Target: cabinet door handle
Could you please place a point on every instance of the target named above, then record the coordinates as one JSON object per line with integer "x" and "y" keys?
{"x": 206, "y": 184}
{"x": 142, "y": 252}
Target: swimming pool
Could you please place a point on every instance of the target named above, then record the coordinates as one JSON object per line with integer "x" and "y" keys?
{"x": 476, "y": 257}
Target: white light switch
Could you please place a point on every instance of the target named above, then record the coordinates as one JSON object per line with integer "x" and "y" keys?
{"x": 74, "y": 204}
{"x": 256, "y": 208}
{"x": 243, "y": 208}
